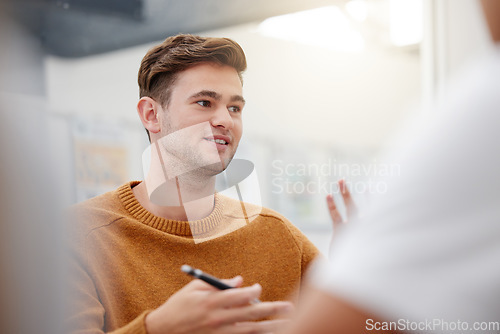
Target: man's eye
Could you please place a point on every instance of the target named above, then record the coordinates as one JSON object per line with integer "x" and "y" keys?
{"x": 204, "y": 103}
{"x": 234, "y": 109}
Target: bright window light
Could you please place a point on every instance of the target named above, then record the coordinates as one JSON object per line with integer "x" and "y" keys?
{"x": 357, "y": 9}
{"x": 406, "y": 22}
{"x": 325, "y": 27}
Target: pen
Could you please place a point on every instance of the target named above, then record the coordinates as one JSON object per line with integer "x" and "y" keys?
{"x": 208, "y": 279}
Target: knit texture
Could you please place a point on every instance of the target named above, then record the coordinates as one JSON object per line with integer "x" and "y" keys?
{"x": 126, "y": 261}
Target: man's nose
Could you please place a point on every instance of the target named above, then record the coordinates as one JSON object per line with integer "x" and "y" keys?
{"x": 222, "y": 118}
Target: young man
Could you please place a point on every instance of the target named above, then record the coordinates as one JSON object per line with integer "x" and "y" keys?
{"x": 128, "y": 245}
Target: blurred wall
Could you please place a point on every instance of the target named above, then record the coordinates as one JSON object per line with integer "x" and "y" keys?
{"x": 306, "y": 105}
{"x": 455, "y": 34}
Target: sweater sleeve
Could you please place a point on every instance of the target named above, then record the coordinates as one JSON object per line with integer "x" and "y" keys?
{"x": 308, "y": 250}
{"x": 85, "y": 312}
{"x": 136, "y": 326}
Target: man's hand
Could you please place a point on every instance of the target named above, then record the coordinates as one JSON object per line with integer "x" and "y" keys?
{"x": 200, "y": 308}
{"x": 351, "y": 209}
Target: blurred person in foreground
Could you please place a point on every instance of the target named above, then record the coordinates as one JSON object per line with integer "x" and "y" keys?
{"x": 31, "y": 298}
{"x": 128, "y": 245}
{"x": 427, "y": 256}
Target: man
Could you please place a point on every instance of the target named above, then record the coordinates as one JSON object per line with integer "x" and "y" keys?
{"x": 426, "y": 259}
{"x": 128, "y": 245}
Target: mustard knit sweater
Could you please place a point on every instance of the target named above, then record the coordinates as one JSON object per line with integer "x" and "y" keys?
{"x": 126, "y": 261}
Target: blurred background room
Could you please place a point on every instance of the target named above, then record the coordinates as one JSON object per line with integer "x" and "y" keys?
{"x": 328, "y": 84}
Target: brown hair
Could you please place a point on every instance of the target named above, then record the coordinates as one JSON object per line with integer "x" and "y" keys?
{"x": 162, "y": 63}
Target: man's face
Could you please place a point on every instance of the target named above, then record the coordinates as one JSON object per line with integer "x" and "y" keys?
{"x": 205, "y": 105}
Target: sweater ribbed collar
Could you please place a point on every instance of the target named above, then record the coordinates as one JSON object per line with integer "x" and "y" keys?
{"x": 176, "y": 227}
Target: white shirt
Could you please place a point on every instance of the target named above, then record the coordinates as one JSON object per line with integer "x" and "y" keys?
{"x": 429, "y": 250}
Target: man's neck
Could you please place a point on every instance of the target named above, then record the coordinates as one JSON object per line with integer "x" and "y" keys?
{"x": 196, "y": 200}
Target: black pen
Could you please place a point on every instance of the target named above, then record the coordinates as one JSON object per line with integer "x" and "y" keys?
{"x": 215, "y": 282}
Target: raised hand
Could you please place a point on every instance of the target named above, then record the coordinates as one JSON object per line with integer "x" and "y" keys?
{"x": 351, "y": 209}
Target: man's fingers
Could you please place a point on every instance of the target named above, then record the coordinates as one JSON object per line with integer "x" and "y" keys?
{"x": 267, "y": 326}
{"x": 236, "y": 297}
{"x": 349, "y": 203}
{"x": 332, "y": 209}
{"x": 235, "y": 282}
{"x": 350, "y": 206}
{"x": 257, "y": 311}
{"x": 217, "y": 311}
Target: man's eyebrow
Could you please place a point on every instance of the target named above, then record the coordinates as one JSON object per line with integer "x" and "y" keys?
{"x": 207, "y": 93}
{"x": 238, "y": 98}
{"x": 216, "y": 96}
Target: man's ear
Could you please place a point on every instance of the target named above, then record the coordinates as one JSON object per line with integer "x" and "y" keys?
{"x": 148, "y": 109}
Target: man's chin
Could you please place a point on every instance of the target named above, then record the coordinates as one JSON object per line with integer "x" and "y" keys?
{"x": 209, "y": 165}
{"x": 216, "y": 168}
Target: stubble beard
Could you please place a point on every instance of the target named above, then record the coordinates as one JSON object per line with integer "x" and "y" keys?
{"x": 190, "y": 160}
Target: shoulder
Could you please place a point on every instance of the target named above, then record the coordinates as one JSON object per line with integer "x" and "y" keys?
{"x": 238, "y": 209}
{"x": 262, "y": 218}
{"x": 97, "y": 211}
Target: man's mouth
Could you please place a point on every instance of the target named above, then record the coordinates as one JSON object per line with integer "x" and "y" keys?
{"x": 218, "y": 141}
